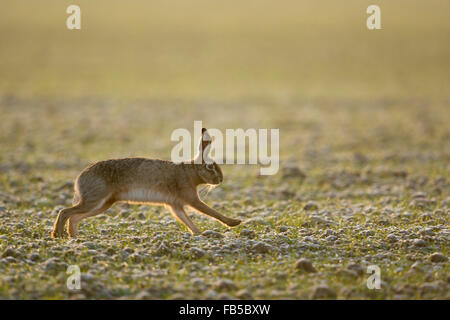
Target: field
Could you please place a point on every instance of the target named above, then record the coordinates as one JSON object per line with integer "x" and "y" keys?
{"x": 364, "y": 147}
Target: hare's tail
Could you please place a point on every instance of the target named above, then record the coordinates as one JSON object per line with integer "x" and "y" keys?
{"x": 76, "y": 199}
{"x": 76, "y": 195}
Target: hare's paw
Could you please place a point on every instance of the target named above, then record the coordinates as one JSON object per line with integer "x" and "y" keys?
{"x": 55, "y": 234}
{"x": 233, "y": 222}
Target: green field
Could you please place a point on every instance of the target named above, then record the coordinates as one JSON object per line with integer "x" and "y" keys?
{"x": 364, "y": 146}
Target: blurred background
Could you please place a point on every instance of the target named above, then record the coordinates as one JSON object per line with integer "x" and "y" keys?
{"x": 225, "y": 49}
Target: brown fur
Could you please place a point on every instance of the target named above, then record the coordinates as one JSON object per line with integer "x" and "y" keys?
{"x": 141, "y": 180}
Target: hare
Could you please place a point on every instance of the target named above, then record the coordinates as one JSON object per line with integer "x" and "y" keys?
{"x": 141, "y": 180}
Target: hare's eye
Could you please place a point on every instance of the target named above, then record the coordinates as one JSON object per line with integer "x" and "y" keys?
{"x": 210, "y": 166}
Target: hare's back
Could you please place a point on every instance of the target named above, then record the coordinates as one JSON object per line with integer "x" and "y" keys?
{"x": 126, "y": 170}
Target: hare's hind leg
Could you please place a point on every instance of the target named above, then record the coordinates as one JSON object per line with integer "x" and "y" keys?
{"x": 72, "y": 225}
{"x": 74, "y": 220}
{"x": 204, "y": 208}
{"x": 63, "y": 215}
{"x": 82, "y": 207}
{"x": 181, "y": 215}
{"x": 91, "y": 193}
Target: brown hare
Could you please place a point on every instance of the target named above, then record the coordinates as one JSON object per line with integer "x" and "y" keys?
{"x": 141, "y": 180}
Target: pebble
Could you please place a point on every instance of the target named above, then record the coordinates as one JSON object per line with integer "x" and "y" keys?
{"x": 224, "y": 296}
{"x": 110, "y": 251}
{"x": 143, "y": 295}
{"x": 315, "y": 220}
{"x": 161, "y": 250}
{"x": 311, "y": 205}
{"x": 141, "y": 216}
{"x": 211, "y": 294}
{"x": 8, "y": 260}
{"x": 437, "y": 257}
{"x": 417, "y": 266}
{"x": 419, "y": 243}
{"x": 244, "y": 294}
{"x": 224, "y": 284}
{"x": 359, "y": 269}
{"x": 212, "y": 234}
{"x": 348, "y": 273}
{"x": 10, "y": 252}
{"x": 87, "y": 277}
{"x": 125, "y": 214}
{"x": 392, "y": 238}
{"x": 197, "y": 253}
{"x": 197, "y": 282}
{"x": 292, "y": 171}
{"x": 247, "y": 233}
{"x": 35, "y": 256}
{"x": 305, "y": 265}
{"x": 135, "y": 258}
{"x": 131, "y": 250}
{"x": 419, "y": 195}
{"x": 261, "y": 247}
{"x": 52, "y": 265}
{"x": 89, "y": 245}
{"x": 323, "y": 292}
{"x": 256, "y": 221}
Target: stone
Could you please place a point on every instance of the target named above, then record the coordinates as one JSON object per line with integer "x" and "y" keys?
{"x": 244, "y": 295}
{"x": 261, "y": 247}
{"x": 356, "y": 268}
{"x": 311, "y": 205}
{"x": 89, "y": 245}
{"x": 392, "y": 238}
{"x": 305, "y": 265}
{"x": 9, "y": 252}
{"x": 212, "y": 234}
{"x": 197, "y": 253}
{"x": 224, "y": 284}
{"x": 247, "y": 233}
{"x": 419, "y": 243}
{"x": 323, "y": 292}
{"x": 256, "y": 221}
{"x": 35, "y": 256}
{"x": 437, "y": 257}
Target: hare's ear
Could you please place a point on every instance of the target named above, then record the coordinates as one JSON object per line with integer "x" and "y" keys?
{"x": 204, "y": 146}
{"x": 206, "y": 139}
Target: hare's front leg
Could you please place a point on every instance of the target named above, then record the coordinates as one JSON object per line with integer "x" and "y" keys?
{"x": 204, "y": 208}
{"x": 181, "y": 215}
